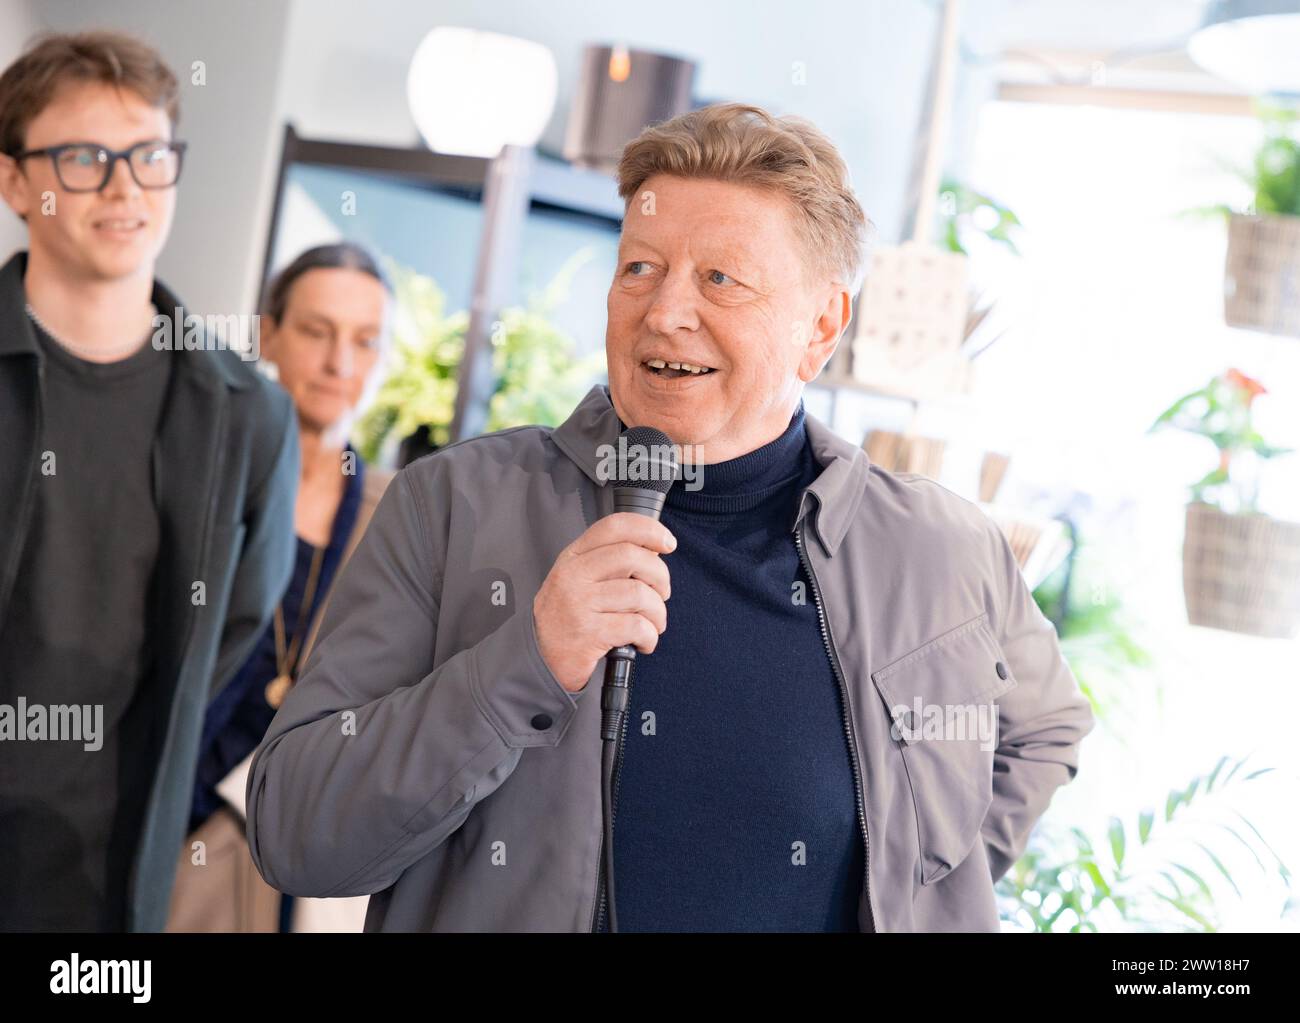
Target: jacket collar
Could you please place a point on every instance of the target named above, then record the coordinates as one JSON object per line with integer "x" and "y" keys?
{"x": 18, "y": 337}
{"x": 188, "y": 450}
{"x": 838, "y": 490}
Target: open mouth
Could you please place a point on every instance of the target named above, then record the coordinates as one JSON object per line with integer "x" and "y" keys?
{"x": 120, "y": 225}
{"x": 673, "y": 370}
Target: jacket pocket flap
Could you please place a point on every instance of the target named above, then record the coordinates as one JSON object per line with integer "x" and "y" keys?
{"x": 958, "y": 669}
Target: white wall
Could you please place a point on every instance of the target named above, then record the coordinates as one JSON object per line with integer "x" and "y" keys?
{"x": 337, "y": 70}
{"x": 865, "y": 62}
{"x": 17, "y": 25}
{"x": 232, "y": 125}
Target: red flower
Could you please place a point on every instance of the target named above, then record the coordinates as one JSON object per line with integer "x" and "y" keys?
{"x": 1251, "y": 386}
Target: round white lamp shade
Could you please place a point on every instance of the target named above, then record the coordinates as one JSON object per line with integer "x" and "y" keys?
{"x": 472, "y": 92}
{"x": 1255, "y": 44}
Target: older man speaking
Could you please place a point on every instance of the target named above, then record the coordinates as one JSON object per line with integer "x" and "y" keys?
{"x": 857, "y": 712}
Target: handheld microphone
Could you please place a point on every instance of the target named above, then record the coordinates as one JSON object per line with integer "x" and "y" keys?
{"x": 647, "y": 468}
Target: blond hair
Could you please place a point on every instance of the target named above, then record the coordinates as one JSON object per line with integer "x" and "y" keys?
{"x": 789, "y": 156}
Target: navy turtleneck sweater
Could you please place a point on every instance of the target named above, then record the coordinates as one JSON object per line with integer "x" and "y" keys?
{"x": 735, "y": 807}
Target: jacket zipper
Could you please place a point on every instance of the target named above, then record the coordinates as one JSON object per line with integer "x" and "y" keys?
{"x": 599, "y": 916}
{"x": 848, "y": 718}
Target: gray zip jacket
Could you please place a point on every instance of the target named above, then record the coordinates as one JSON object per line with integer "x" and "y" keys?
{"x": 428, "y": 757}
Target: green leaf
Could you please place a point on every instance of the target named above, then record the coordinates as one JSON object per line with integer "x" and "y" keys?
{"x": 1095, "y": 873}
{"x": 1283, "y": 871}
{"x": 1182, "y": 906}
{"x": 1200, "y": 882}
{"x": 1213, "y": 776}
{"x": 1213, "y": 478}
{"x": 951, "y": 240}
{"x": 1236, "y": 767}
{"x": 1249, "y": 848}
{"x": 1171, "y": 803}
{"x": 1179, "y": 405}
{"x": 1227, "y": 875}
{"x": 1116, "y": 831}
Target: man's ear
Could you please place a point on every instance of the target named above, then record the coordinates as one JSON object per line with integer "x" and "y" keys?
{"x": 13, "y": 185}
{"x": 828, "y": 328}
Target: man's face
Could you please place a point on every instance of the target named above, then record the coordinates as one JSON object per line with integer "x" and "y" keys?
{"x": 94, "y": 236}
{"x": 713, "y": 274}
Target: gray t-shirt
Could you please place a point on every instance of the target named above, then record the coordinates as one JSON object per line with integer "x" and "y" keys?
{"x": 78, "y": 633}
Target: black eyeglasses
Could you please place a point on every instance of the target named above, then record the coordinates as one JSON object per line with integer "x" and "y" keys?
{"x": 88, "y": 166}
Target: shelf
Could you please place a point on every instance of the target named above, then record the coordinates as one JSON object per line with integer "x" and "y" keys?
{"x": 842, "y": 382}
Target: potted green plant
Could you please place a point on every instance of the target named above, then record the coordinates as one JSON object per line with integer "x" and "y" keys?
{"x": 1157, "y": 872}
{"x": 538, "y": 379}
{"x": 1241, "y": 568}
{"x": 1261, "y": 287}
{"x": 966, "y": 215}
{"x": 1100, "y": 636}
{"x": 919, "y": 323}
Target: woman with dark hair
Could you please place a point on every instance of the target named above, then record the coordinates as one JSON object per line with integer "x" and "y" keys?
{"x": 323, "y": 328}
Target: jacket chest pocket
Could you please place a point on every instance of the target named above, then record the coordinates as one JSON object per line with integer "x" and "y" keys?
{"x": 941, "y": 698}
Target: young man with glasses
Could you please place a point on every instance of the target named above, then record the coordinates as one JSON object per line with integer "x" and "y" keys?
{"x": 146, "y": 526}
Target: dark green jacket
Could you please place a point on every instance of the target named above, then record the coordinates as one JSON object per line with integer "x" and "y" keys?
{"x": 226, "y": 466}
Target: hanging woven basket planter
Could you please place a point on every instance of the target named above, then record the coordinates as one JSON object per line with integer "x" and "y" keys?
{"x": 1261, "y": 283}
{"x": 1241, "y": 572}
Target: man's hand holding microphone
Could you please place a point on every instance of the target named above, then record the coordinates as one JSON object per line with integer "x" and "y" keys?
{"x": 604, "y": 596}
{"x": 606, "y": 589}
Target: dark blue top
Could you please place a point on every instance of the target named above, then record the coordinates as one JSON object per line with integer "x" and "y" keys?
{"x": 238, "y": 718}
{"x": 735, "y": 807}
